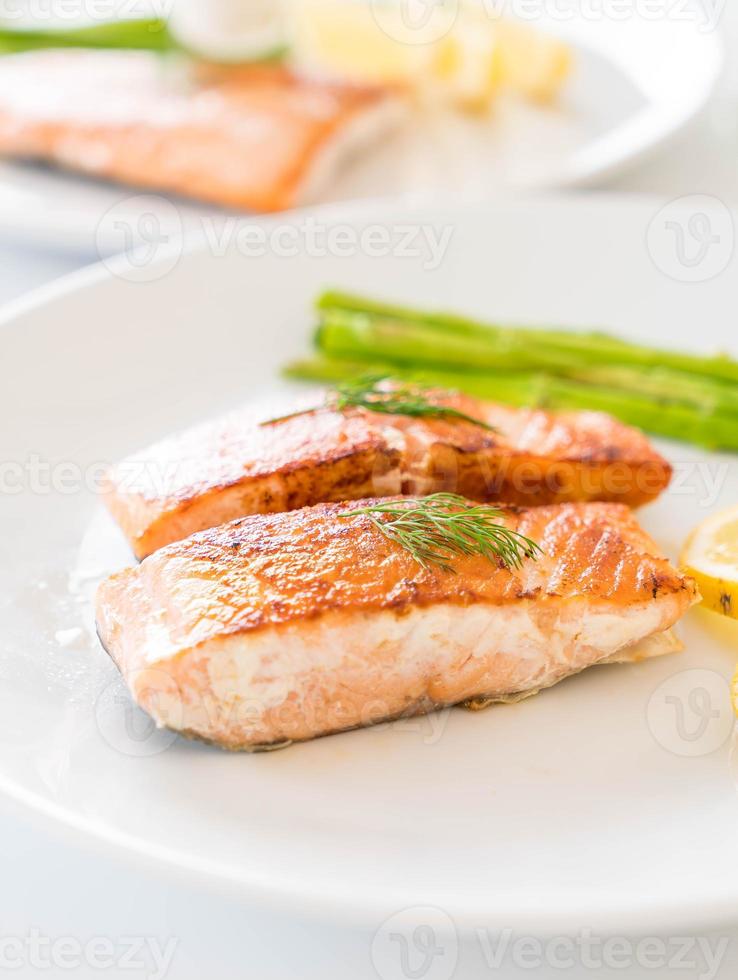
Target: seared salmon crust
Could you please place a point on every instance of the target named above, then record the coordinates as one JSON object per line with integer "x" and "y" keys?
{"x": 278, "y": 628}
{"x": 234, "y": 466}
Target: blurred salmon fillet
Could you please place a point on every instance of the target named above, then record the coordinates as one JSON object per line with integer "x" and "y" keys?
{"x": 235, "y": 466}
{"x": 261, "y": 139}
{"x": 279, "y": 628}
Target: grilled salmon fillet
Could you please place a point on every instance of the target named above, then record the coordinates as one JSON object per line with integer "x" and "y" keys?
{"x": 261, "y": 139}
{"x": 279, "y": 628}
{"x": 235, "y": 466}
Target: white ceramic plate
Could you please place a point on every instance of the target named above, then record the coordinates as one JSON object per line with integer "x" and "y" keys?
{"x": 608, "y": 801}
{"x": 637, "y": 82}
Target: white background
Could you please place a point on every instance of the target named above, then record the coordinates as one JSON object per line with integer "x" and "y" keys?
{"x": 62, "y": 887}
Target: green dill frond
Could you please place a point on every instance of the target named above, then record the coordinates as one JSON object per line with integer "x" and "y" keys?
{"x": 379, "y": 393}
{"x": 442, "y": 526}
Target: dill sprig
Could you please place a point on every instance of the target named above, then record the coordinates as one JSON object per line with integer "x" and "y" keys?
{"x": 380, "y": 393}
{"x": 442, "y": 526}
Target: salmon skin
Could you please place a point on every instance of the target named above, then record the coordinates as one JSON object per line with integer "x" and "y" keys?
{"x": 281, "y": 628}
{"x": 261, "y": 139}
{"x": 236, "y": 466}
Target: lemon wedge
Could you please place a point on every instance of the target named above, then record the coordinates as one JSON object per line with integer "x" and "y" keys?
{"x": 459, "y": 53}
{"x": 710, "y": 556}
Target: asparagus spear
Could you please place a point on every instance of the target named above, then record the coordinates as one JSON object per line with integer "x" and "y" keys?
{"x": 590, "y": 347}
{"x": 344, "y": 333}
{"x": 665, "y": 385}
{"x": 354, "y": 335}
{"x": 710, "y": 428}
{"x": 150, "y": 34}
{"x": 671, "y": 394}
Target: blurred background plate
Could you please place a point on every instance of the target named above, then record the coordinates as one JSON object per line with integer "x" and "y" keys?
{"x": 636, "y": 83}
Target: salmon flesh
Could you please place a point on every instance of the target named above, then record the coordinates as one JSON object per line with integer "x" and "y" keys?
{"x": 280, "y": 628}
{"x": 236, "y": 466}
{"x": 261, "y": 139}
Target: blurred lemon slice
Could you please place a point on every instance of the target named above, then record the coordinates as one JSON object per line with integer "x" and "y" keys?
{"x": 531, "y": 63}
{"x": 465, "y": 58}
{"x": 342, "y": 37}
{"x": 710, "y": 556}
{"x": 465, "y": 65}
